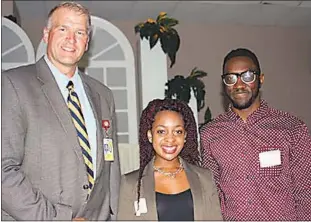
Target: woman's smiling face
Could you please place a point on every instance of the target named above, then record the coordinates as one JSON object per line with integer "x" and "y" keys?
{"x": 167, "y": 135}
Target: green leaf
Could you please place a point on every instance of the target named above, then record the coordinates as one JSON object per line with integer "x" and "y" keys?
{"x": 168, "y": 22}
{"x": 178, "y": 88}
{"x": 161, "y": 29}
{"x": 153, "y": 40}
{"x": 198, "y": 88}
{"x": 138, "y": 27}
{"x": 198, "y": 74}
{"x": 144, "y": 33}
{"x": 170, "y": 43}
{"x": 161, "y": 16}
{"x": 163, "y": 44}
{"x": 207, "y": 115}
{"x": 195, "y": 73}
{"x": 172, "y": 56}
{"x": 175, "y": 39}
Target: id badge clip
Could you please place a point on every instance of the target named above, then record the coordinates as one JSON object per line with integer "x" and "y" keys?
{"x": 108, "y": 144}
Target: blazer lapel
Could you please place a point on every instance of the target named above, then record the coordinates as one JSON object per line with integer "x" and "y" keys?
{"x": 94, "y": 99}
{"x": 196, "y": 190}
{"x": 58, "y": 105}
{"x": 148, "y": 192}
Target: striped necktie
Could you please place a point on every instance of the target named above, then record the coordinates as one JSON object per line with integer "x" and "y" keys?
{"x": 79, "y": 123}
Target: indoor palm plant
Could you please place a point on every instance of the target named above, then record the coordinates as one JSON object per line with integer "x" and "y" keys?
{"x": 180, "y": 88}
{"x": 161, "y": 29}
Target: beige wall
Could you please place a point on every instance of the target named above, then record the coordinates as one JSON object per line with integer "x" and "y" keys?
{"x": 284, "y": 55}
{"x": 7, "y": 7}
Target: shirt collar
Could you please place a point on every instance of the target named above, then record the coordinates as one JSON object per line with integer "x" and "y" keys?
{"x": 255, "y": 116}
{"x": 61, "y": 79}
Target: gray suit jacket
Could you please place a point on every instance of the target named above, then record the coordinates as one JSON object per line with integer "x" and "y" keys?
{"x": 203, "y": 189}
{"x": 43, "y": 171}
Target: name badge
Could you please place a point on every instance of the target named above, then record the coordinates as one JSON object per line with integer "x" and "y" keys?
{"x": 108, "y": 149}
{"x": 142, "y": 207}
{"x": 270, "y": 158}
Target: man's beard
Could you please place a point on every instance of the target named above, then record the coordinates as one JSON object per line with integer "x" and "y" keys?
{"x": 246, "y": 104}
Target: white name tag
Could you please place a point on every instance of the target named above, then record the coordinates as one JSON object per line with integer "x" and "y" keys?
{"x": 270, "y": 158}
{"x": 142, "y": 207}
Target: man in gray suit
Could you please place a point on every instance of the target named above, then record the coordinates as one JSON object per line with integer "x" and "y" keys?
{"x": 54, "y": 165}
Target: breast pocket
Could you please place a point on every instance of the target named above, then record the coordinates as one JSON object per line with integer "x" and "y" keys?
{"x": 271, "y": 160}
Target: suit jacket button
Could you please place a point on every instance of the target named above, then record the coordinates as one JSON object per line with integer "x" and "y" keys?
{"x": 85, "y": 186}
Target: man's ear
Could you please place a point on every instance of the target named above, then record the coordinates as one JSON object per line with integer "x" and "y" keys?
{"x": 261, "y": 78}
{"x": 45, "y": 37}
{"x": 149, "y": 135}
{"x": 87, "y": 44}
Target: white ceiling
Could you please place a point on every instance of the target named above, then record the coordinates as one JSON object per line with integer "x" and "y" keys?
{"x": 268, "y": 13}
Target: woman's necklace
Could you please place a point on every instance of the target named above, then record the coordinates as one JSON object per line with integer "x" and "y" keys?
{"x": 170, "y": 174}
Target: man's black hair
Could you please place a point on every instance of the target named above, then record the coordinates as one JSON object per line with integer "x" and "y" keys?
{"x": 241, "y": 52}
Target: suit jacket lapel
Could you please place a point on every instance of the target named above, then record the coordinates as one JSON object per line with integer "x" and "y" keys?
{"x": 196, "y": 190}
{"x": 58, "y": 105}
{"x": 94, "y": 99}
{"x": 148, "y": 186}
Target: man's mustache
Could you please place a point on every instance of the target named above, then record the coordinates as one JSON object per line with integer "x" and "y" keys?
{"x": 240, "y": 91}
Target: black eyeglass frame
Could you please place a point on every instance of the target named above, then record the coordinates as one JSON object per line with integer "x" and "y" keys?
{"x": 256, "y": 73}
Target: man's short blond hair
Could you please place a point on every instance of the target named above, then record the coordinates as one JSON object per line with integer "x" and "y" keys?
{"x": 71, "y": 6}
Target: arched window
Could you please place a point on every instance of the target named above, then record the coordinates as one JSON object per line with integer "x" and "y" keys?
{"x": 16, "y": 48}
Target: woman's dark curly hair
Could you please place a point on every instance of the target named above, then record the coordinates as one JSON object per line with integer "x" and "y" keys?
{"x": 189, "y": 153}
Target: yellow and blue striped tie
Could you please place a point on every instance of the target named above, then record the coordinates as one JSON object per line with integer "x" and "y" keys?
{"x": 79, "y": 123}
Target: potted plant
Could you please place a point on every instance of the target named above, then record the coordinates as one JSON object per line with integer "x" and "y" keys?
{"x": 180, "y": 88}
{"x": 161, "y": 29}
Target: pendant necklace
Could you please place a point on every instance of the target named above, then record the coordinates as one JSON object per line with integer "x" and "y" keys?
{"x": 170, "y": 174}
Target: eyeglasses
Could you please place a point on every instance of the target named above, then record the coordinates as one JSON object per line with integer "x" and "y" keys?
{"x": 248, "y": 76}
